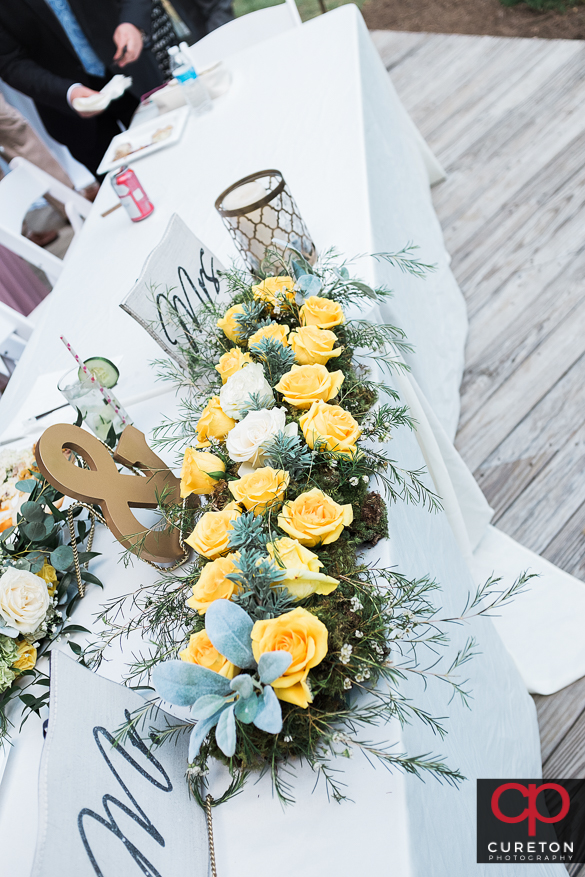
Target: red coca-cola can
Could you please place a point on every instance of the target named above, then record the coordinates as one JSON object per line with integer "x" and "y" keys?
{"x": 128, "y": 189}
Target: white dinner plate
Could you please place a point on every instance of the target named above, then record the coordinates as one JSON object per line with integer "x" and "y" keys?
{"x": 140, "y": 138}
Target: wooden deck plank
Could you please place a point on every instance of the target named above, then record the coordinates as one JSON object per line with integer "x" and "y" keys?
{"x": 505, "y": 118}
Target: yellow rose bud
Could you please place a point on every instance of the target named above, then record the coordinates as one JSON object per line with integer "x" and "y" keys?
{"x": 274, "y": 288}
{"x": 261, "y": 489}
{"x": 302, "y": 577}
{"x": 314, "y": 518}
{"x": 332, "y": 426}
{"x": 228, "y": 323}
{"x": 302, "y": 635}
{"x": 231, "y": 362}
{"x": 313, "y": 345}
{"x": 26, "y": 656}
{"x": 274, "y": 330}
{"x": 210, "y": 538}
{"x": 49, "y": 575}
{"x": 213, "y": 423}
{"x": 321, "y": 312}
{"x": 305, "y": 384}
{"x": 201, "y": 651}
{"x": 195, "y": 472}
{"x": 213, "y": 584}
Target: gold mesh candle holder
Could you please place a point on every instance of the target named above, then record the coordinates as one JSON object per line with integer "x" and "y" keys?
{"x": 259, "y": 211}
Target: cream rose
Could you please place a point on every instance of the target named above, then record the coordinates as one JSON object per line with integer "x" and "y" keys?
{"x": 24, "y": 599}
{"x": 245, "y": 441}
{"x": 237, "y": 389}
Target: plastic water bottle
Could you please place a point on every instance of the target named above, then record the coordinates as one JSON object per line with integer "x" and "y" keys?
{"x": 183, "y": 71}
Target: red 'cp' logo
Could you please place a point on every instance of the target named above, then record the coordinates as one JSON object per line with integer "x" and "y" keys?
{"x": 531, "y": 812}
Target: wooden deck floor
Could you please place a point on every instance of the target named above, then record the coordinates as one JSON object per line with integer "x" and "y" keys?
{"x": 506, "y": 117}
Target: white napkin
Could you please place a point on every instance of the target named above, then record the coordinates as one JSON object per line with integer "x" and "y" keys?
{"x": 112, "y": 90}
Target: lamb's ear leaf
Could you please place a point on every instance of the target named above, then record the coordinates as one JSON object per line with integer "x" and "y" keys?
{"x": 243, "y": 685}
{"x": 225, "y": 733}
{"x": 269, "y": 715}
{"x": 182, "y": 683}
{"x": 207, "y": 706}
{"x": 272, "y": 665}
{"x": 246, "y": 710}
{"x": 229, "y": 628}
{"x": 198, "y": 735}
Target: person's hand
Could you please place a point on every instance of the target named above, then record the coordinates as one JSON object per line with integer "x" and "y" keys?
{"x": 83, "y": 91}
{"x": 128, "y": 40}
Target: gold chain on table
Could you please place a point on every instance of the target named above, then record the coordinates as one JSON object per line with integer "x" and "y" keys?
{"x": 208, "y": 805}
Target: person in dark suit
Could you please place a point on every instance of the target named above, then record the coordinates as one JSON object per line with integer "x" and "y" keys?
{"x": 57, "y": 50}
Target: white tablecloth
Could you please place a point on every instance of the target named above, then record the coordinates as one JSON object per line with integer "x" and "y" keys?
{"x": 358, "y": 174}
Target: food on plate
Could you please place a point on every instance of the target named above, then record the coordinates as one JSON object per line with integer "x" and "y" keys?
{"x": 162, "y": 133}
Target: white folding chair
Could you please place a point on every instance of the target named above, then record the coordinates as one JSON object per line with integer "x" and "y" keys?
{"x": 245, "y": 31}
{"x": 24, "y": 185}
{"x": 15, "y": 330}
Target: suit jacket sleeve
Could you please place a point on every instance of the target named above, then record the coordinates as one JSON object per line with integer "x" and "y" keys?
{"x": 138, "y": 13}
{"x": 24, "y": 74}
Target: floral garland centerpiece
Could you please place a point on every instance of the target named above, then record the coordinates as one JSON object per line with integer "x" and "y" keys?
{"x": 281, "y": 624}
{"x": 38, "y": 585}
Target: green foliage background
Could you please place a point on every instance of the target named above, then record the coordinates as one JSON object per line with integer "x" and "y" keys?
{"x": 307, "y": 8}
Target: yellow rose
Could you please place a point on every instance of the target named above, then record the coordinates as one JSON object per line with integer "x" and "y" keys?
{"x": 274, "y": 330}
{"x": 313, "y": 345}
{"x": 305, "y": 384}
{"x": 228, "y": 323}
{"x": 314, "y": 518}
{"x": 231, "y": 362}
{"x": 211, "y": 534}
{"x": 213, "y": 584}
{"x": 321, "y": 312}
{"x": 261, "y": 489}
{"x": 201, "y": 651}
{"x": 213, "y": 423}
{"x": 274, "y": 288}
{"x": 26, "y": 656}
{"x": 332, "y": 426}
{"x": 195, "y": 477}
{"x": 304, "y": 637}
{"x": 302, "y": 577}
{"x": 49, "y": 574}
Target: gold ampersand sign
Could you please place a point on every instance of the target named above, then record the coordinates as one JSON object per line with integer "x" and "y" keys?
{"x": 115, "y": 492}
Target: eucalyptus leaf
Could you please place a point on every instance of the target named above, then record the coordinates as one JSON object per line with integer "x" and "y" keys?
{"x": 272, "y": 665}
{"x": 198, "y": 735}
{"x": 225, "y": 733}
{"x": 26, "y": 486}
{"x": 229, "y": 629}
{"x": 33, "y": 512}
{"x": 298, "y": 269}
{"x": 243, "y": 685}
{"x": 182, "y": 683}
{"x": 34, "y": 531}
{"x": 6, "y": 630}
{"x": 62, "y": 557}
{"x": 245, "y": 710}
{"x": 269, "y": 715}
{"x": 207, "y": 706}
{"x": 309, "y": 284}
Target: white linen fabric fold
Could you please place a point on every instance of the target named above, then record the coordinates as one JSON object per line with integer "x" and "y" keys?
{"x": 112, "y": 90}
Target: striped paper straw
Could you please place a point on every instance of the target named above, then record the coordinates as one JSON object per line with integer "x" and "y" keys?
{"x": 110, "y": 398}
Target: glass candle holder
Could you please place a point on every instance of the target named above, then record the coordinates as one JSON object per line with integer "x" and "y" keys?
{"x": 85, "y": 396}
{"x": 260, "y": 213}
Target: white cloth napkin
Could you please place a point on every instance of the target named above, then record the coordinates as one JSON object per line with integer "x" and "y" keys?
{"x": 112, "y": 90}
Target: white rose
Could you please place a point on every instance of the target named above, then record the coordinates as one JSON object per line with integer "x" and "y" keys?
{"x": 24, "y": 599}
{"x": 236, "y": 390}
{"x": 244, "y": 442}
